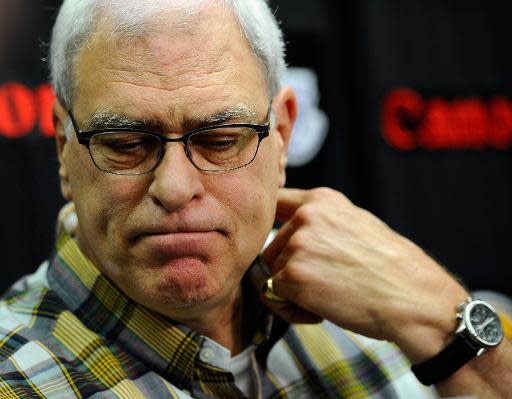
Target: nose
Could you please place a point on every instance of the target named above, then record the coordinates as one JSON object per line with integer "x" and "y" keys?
{"x": 176, "y": 181}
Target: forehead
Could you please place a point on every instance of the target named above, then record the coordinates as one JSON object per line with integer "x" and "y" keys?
{"x": 170, "y": 72}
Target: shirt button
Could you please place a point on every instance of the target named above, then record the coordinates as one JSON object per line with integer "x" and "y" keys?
{"x": 206, "y": 354}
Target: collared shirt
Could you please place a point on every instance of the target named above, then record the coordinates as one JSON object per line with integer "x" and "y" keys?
{"x": 68, "y": 332}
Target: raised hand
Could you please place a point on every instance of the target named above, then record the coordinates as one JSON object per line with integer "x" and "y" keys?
{"x": 336, "y": 261}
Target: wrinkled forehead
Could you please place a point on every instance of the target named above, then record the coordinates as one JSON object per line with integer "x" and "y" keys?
{"x": 204, "y": 65}
{"x": 209, "y": 39}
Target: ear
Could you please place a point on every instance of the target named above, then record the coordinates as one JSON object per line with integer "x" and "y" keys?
{"x": 60, "y": 120}
{"x": 284, "y": 107}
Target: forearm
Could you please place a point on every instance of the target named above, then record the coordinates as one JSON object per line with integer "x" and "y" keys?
{"x": 429, "y": 332}
{"x": 341, "y": 263}
{"x": 431, "y": 329}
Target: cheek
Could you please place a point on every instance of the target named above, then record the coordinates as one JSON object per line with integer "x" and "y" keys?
{"x": 103, "y": 201}
{"x": 249, "y": 195}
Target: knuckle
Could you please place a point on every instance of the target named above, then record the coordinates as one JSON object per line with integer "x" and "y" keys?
{"x": 322, "y": 192}
{"x": 306, "y": 214}
{"x": 297, "y": 241}
{"x": 293, "y": 274}
{"x": 327, "y": 193}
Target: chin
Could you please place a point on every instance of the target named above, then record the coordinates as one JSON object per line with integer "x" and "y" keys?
{"x": 183, "y": 294}
{"x": 190, "y": 301}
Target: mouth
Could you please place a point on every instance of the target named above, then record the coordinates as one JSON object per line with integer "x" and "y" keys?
{"x": 178, "y": 234}
{"x": 183, "y": 244}
{"x": 177, "y": 228}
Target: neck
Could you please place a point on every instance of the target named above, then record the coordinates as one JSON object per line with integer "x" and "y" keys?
{"x": 223, "y": 323}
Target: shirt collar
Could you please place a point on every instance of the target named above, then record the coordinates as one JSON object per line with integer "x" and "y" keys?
{"x": 162, "y": 345}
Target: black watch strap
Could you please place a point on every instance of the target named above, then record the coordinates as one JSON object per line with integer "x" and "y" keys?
{"x": 445, "y": 363}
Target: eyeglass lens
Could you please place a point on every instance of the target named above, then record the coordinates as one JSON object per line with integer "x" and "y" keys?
{"x": 219, "y": 149}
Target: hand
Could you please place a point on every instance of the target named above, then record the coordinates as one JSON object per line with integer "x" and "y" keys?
{"x": 336, "y": 261}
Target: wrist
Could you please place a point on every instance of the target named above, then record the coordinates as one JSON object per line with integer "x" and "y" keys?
{"x": 478, "y": 332}
{"x": 430, "y": 326}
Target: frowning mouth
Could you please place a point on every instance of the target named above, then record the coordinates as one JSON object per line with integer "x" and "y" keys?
{"x": 175, "y": 234}
{"x": 180, "y": 244}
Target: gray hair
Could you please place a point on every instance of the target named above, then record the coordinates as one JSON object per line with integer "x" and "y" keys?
{"x": 78, "y": 19}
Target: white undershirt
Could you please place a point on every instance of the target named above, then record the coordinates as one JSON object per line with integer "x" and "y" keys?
{"x": 241, "y": 369}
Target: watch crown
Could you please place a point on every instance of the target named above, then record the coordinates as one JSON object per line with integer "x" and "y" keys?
{"x": 459, "y": 316}
{"x": 462, "y": 305}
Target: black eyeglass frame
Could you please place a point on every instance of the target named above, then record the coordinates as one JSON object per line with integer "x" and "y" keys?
{"x": 84, "y": 137}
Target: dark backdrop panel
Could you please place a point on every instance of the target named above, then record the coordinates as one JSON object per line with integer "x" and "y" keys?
{"x": 28, "y": 168}
{"x": 455, "y": 203}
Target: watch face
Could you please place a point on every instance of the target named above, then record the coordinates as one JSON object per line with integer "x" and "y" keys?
{"x": 483, "y": 323}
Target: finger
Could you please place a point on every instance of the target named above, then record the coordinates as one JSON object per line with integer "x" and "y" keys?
{"x": 286, "y": 309}
{"x": 278, "y": 244}
{"x": 288, "y": 201}
{"x": 291, "y": 312}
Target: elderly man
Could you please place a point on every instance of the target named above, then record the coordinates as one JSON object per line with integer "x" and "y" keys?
{"x": 172, "y": 142}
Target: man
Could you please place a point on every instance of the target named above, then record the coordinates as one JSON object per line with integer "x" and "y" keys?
{"x": 172, "y": 136}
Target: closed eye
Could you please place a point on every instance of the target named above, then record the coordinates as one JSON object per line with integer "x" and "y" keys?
{"x": 215, "y": 142}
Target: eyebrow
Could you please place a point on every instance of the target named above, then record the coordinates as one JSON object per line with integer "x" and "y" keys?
{"x": 106, "y": 119}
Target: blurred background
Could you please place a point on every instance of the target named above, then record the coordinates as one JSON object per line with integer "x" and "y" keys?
{"x": 406, "y": 107}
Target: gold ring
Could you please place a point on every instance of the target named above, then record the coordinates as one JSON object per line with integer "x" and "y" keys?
{"x": 270, "y": 294}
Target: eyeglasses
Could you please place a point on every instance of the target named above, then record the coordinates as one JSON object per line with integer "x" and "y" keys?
{"x": 130, "y": 151}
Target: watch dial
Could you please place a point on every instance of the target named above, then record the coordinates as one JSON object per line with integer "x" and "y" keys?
{"x": 486, "y": 324}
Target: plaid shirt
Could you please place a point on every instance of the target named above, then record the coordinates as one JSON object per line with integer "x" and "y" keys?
{"x": 68, "y": 332}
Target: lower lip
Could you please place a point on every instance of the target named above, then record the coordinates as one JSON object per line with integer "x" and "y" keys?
{"x": 181, "y": 245}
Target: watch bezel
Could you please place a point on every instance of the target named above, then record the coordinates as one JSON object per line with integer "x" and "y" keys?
{"x": 470, "y": 328}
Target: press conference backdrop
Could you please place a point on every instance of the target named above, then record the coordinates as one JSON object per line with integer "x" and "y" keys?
{"x": 406, "y": 108}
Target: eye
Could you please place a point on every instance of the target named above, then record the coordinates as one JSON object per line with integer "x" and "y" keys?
{"x": 217, "y": 141}
{"x": 127, "y": 146}
{"x": 125, "y": 143}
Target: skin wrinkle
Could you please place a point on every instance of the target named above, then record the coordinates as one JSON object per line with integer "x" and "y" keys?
{"x": 127, "y": 77}
{"x": 250, "y": 116}
{"x": 161, "y": 48}
{"x": 197, "y": 66}
{"x": 151, "y": 55}
{"x": 155, "y": 87}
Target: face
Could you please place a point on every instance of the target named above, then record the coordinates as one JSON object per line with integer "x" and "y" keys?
{"x": 176, "y": 238}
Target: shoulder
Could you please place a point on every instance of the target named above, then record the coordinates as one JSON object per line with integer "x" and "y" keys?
{"x": 28, "y": 314}
{"x": 45, "y": 349}
{"x": 20, "y": 305}
{"x": 345, "y": 362}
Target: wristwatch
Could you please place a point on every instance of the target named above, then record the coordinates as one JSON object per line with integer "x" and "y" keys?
{"x": 479, "y": 330}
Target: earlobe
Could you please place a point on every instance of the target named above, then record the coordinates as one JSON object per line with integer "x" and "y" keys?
{"x": 60, "y": 117}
